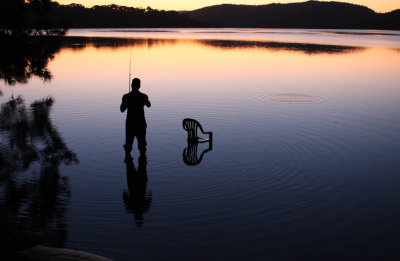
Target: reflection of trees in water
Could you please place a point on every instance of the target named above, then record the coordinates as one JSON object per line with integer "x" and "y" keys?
{"x": 112, "y": 43}
{"x": 281, "y": 46}
{"x": 24, "y": 57}
{"x": 33, "y": 195}
{"x": 115, "y": 43}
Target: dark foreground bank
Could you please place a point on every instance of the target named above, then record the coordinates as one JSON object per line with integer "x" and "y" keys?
{"x": 41, "y": 253}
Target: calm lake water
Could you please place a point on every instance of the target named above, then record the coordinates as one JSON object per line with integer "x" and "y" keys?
{"x": 305, "y": 159}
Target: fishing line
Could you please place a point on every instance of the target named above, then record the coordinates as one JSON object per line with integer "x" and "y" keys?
{"x": 130, "y": 68}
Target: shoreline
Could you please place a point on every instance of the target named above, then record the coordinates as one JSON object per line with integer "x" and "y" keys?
{"x": 42, "y": 253}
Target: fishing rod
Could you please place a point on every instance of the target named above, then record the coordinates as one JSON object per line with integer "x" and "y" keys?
{"x": 130, "y": 68}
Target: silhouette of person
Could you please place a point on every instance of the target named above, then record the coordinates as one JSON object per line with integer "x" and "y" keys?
{"x": 136, "y": 198}
{"x": 135, "y": 125}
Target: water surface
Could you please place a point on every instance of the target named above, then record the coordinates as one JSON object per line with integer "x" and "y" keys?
{"x": 305, "y": 155}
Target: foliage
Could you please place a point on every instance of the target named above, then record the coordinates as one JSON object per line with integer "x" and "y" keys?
{"x": 77, "y": 16}
{"x": 28, "y": 17}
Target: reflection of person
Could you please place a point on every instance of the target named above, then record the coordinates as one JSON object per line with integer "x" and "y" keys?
{"x": 136, "y": 198}
{"x": 135, "y": 125}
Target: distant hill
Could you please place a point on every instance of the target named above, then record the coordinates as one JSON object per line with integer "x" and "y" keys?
{"x": 311, "y": 14}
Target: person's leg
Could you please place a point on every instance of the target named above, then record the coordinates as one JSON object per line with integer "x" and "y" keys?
{"x": 141, "y": 137}
{"x": 129, "y": 136}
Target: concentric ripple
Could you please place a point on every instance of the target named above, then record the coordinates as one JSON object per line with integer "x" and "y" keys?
{"x": 289, "y": 98}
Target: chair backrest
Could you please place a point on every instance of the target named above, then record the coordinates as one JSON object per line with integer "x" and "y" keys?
{"x": 191, "y": 127}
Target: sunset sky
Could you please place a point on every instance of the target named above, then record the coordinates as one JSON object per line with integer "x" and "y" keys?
{"x": 377, "y": 5}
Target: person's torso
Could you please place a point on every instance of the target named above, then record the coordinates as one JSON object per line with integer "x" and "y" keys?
{"x": 135, "y": 104}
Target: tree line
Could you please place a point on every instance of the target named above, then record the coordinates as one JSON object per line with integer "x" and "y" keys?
{"x": 44, "y": 17}
{"x": 78, "y": 16}
{"x": 28, "y": 17}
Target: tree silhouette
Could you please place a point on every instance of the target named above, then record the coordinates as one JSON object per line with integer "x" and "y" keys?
{"x": 28, "y": 17}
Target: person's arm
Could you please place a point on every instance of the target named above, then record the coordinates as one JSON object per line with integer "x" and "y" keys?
{"x": 147, "y": 102}
{"x": 123, "y": 104}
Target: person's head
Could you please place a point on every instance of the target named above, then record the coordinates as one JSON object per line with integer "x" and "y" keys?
{"x": 135, "y": 84}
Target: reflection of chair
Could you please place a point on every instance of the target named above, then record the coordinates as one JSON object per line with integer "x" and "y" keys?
{"x": 191, "y": 127}
{"x": 190, "y": 153}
